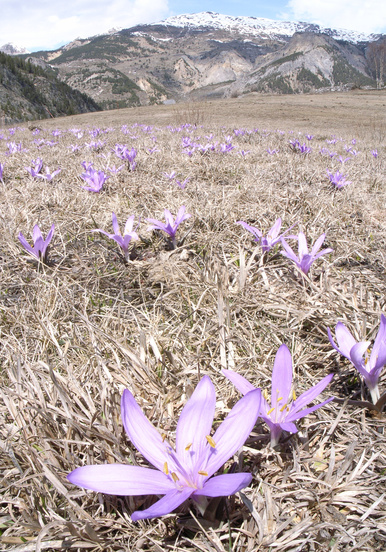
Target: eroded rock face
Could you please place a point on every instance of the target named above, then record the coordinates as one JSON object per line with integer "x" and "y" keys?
{"x": 176, "y": 59}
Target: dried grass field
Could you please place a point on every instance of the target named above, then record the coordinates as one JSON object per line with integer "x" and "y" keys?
{"x": 76, "y": 332}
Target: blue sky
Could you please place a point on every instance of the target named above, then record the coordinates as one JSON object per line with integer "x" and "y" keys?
{"x": 48, "y": 24}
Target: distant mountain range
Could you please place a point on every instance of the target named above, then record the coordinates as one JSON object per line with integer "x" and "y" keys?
{"x": 208, "y": 55}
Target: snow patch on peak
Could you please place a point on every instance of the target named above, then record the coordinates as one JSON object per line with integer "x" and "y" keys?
{"x": 259, "y": 26}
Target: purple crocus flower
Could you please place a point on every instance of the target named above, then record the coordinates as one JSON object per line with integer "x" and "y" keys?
{"x": 36, "y": 167}
{"x": 94, "y": 179}
{"x": 272, "y": 238}
{"x": 305, "y": 259}
{"x": 185, "y": 471}
{"x": 1, "y": 172}
{"x": 374, "y": 153}
{"x": 49, "y": 175}
{"x": 285, "y": 408}
{"x": 368, "y": 365}
{"x": 124, "y": 240}
{"x": 272, "y": 152}
{"x": 171, "y": 226}
{"x": 40, "y": 247}
{"x": 338, "y": 179}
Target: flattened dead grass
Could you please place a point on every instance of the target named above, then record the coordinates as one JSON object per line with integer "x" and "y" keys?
{"x": 75, "y": 333}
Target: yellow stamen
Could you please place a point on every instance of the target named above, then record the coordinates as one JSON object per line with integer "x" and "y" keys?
{"x": 210, "y": 441}
{"x": 283, "y": 407}
{"x": 175, "y": 477}
{"x": 166, "y": 469}
{"x": 270, "y": 411}
{"x": 188, "y": 446}
{"x": 201, "y": 472}
{"x": 163, "y": 435}
{"x": 293, "y": 395}
{"x": 265, "y": 394}
{"x": 279, "y": 399}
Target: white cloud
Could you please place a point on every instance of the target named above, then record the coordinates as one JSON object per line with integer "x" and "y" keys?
{"x": 367, "y": 16}
{"x": 47, "y": 23}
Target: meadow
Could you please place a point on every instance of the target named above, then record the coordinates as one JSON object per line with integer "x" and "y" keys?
{"x": 79, "y": 329}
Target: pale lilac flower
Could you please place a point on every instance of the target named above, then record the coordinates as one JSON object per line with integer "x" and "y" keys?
{"x": 48, "y": 175}
{"x": 368, "y": 365}
{"x": 115, "y": 170}
{"x": 170, "y": 176}
{"x": 272, "y": 152}
{"x": 94, "y": 179}
{"x": 186, "y": 471}
{"x": 374, "y": 153}
{"x": 272, "y": 238}
{"x": 338, "y": 179}
{"x": 305, "y": 259}
{"x": 285, "y": 408}
{"x": 297, "y": 147}
{"x": 13, "y": 147}
{"x": 171, "y": 226}
{"x": 36, "y": 167}
{"x": 309, "y": 136}
{"x": 74, "y": 148}
{"x": 40, "y": 247}
{"x": 1, "y": 172}
{"x": 124, "y": 240}
{"x": 343, "y": 160}
{"x": 183, "y": 184}
{"x": 244, "y": 153}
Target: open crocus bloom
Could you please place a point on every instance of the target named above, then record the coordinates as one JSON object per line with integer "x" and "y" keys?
{"x": 271, "y": 239}
{"x": 171, "y": 226}
{"x": 40, "y": 247}
{"x": 368, "y": 365}
{"x": 128, "y": 234}
{"x": 186, "y": 471}
{"x": 305, "y": 259}
{"x": 285, "y": 408}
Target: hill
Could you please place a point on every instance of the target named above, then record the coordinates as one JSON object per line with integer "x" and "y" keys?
{"x": 30, "y": 92}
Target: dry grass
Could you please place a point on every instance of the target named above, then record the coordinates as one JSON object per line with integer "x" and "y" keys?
{"x": 75, "y": 333}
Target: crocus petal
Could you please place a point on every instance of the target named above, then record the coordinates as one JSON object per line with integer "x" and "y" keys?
{"x": 169, "y": 218}
{"x": 274, "y": 232}
{"x": 234, "y": 430}
{"x": 141, "y": 432}
{"x": 129, "y": 225}
{"x": 323, "y": 252}
{"x": 345, "y": 339}
{"x": 281, "y": 376}
{"x": 289, "y": 253}
{"x": 295, "y": 415}
{"x": 378, "y": 354}
{"x": 165, "y": 505}
{"x": 224, "y": 485}
{"x": 121, "y": 480}
{"x": 318, "y": 244}
{"x": 311, "y": 394}
{"x": 36, "y": 234}
{"x": 49, "y": 235}
{"x": 242, "y": 384}
{"x": 255, "y": 231}
{"x": 288, "y": 426}
{"x": 302, "y": 245}
{"x": 196, "y": 419}
{"x": 356, "y": 355}
{"x": 115, "y": 224}
{"x": 26, "y": 245}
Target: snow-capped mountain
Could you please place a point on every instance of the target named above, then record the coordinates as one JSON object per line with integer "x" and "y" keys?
{"x": 259, "y": 26}
{"x": 13, "y": 50}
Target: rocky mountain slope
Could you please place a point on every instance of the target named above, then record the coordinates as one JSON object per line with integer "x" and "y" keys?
{"x": 211, "y": 55}
{"x": 28, "y": 91}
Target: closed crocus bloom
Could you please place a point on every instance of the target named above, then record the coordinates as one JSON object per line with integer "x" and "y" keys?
{"x": 369, "y": 365}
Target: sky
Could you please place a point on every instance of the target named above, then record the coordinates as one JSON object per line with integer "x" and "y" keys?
{"x": 49, "y": 24}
